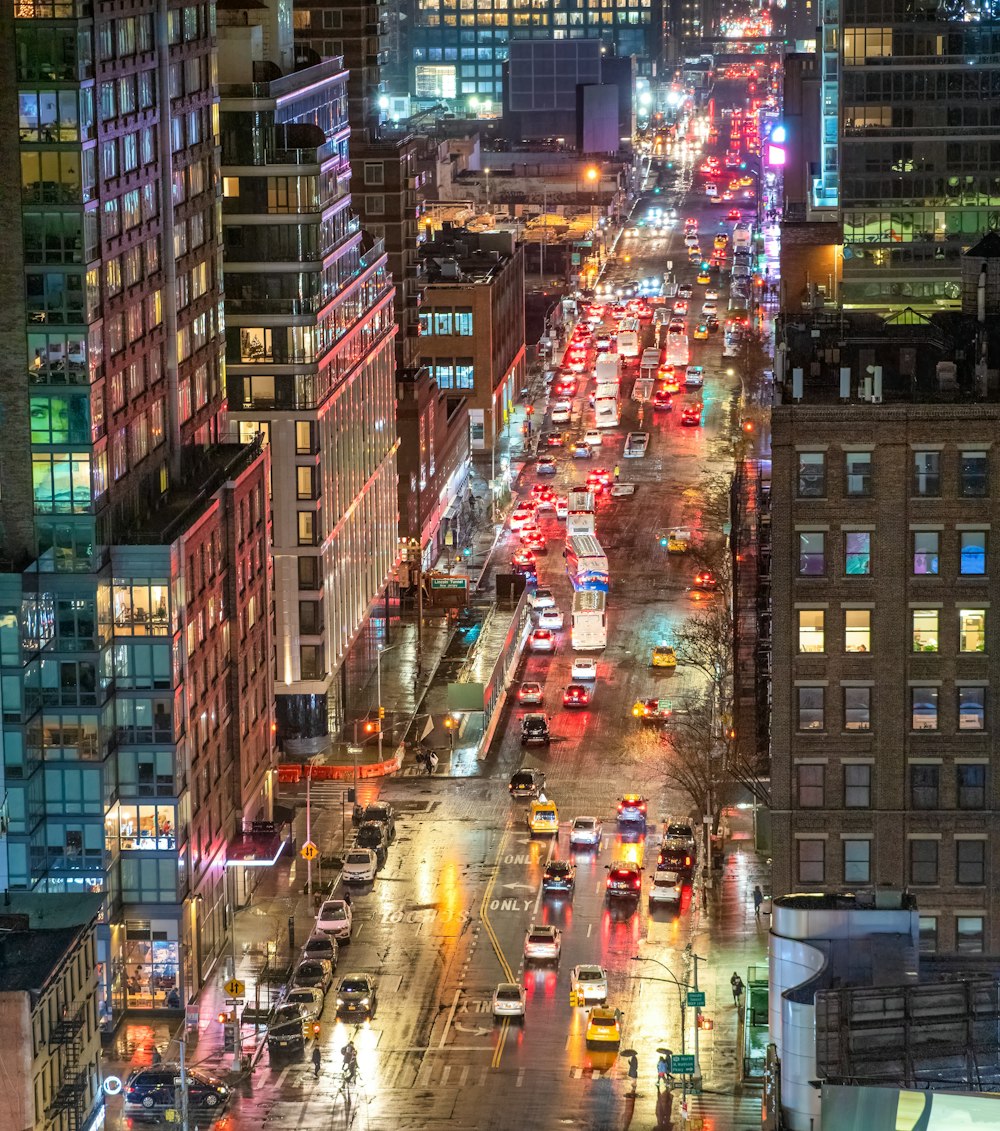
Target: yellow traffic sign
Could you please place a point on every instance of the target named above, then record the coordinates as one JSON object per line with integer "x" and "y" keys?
{"x": 235, "y": 988}
{"x": 309, "y": 851}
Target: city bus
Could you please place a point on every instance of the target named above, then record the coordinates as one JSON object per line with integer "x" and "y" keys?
{"x": 590, "y": 620}
{"x": 607, "y": 405}
{"x": 586, "y": 562}
{"x": 629, "y": 337}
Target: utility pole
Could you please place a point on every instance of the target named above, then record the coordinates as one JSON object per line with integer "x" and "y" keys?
{"x": 181, "y": 1090}
{"x": 309, "y": 863}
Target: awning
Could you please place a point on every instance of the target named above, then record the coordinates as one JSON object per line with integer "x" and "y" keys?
{"x": 259, "y": 848}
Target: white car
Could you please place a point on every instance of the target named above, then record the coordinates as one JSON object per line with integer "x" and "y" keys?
{"x": 562, "y": 507}
{"x": 584, "y": 668}
{"x": 310, "y": 998}
{"x": 551, "y": 618}
{"x": 561, "y": 412}
{"x": 360, "y": 866}
{"x": 709, "y": 308}
{"x": 694, "y": 376}
{"x": 509, "y": 1000}
{"x": 541, "y": 599}
{"x": 586, "y": 831}
{"x": 542, "y": 944}
{"x": 665, "y": 887}
{"x": 545, "y": 503}
{"x": 602, "y": 342}
{"x": 335, "y": 918}
{"x": 590, "y": 982}
{"x": 593, "y": 437}
{"x": 522, "y": 517}
{"x": 542, "y": 640}
{"x": 711, "y": 294}
{"x": 685, "y": 290}
{"x": 691, "y": 240}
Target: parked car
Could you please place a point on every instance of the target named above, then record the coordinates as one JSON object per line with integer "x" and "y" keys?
{"x": 335, "y": 919}
{"x": 382, "y": 813}
{"x": 360, "y": 866}
{"x": 286, "y": 1028}
{"x": 313, "y": 972}
{"x": 373, "y": 835}
{"x": 310, "y": 998}
{"x": 321, "y": 945}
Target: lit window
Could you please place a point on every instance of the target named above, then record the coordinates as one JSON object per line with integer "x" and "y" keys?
{"x": 924, "y": 708}
{"x": 927, "y": 474}
{"x": 973, "y": 558}
{"x": 972, "y": 630}
{"x": 858, "y": 552}
{"x": 969, "y": 934}
{"x": 925, "y": 551}
{"x": 859, "y": 473}
{"x": 811, "y": 634}
{"x": 925, "y": 630}
{"x": 857, "y": 630}
{"x": 971, "y": 708}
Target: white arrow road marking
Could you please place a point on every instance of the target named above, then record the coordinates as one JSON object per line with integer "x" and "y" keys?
{"x": 525, "y": 887}
{"x": 479, "y": 1032}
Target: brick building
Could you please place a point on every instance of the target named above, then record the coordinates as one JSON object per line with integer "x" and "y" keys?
{"x": 885, "y": 580}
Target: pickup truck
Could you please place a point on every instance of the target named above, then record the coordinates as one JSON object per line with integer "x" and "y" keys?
{"x": 636, "y": 444}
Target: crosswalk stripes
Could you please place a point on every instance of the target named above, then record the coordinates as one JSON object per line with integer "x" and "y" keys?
{"x": 721, "y": 1111}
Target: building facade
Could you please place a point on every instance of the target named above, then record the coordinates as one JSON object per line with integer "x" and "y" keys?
{"x": 122, "y": 611}
{"x": 884, "y": 589}
{"x": 472, "y": 325}
{"x": 49, "y": 1013}
{"x": 309, "y": 349}
{"x": 919, "y": 145}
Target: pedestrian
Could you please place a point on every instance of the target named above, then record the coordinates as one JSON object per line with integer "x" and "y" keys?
{"x": 157, "y": 1055}
{"x": 662, "y": 1070}
{"x": 422, "y": 758}
{"x": 618, "y": 472}
{"x": 758, "y": 899}
{"x": 316, "y": 1060}
{"x": 633, "y": 1072}
{"x": 737, "y": 983}
{"x": 432, "y": 762}
{"x": 347, "y": 896}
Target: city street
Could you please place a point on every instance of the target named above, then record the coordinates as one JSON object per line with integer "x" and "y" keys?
{"x": 446, "y": 919}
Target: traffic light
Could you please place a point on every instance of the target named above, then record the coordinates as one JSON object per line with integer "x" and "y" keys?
{"x": 226, "y": 1017}
{"x": 467, "y": 552}
{"x": 449, "y": 722}
{"x": 381, "y": 712}
{"x": 638, "y": 710}
{"x": 372, "y": 727}
{"x": 748, "y": 426}
{"x": 664, "y": 540}
{"x": 315, "y": 1029}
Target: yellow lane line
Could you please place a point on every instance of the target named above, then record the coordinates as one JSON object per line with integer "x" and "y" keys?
{"x": 495, "y": 942}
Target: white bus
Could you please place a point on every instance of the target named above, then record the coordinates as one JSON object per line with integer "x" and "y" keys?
{"x": 607, "y": 369}
{"x": 678, "y": 352}
{"x": 629, "y": 337}
{"x": 586, "y": 562}
{"x": 607, "y": 406}
{"x": 590, "y": 620}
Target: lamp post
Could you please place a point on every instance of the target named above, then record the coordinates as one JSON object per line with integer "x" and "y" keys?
{"x": 682, "y": 988}
{"x": 378, "y": 690}
{"x": 487, "y": 172}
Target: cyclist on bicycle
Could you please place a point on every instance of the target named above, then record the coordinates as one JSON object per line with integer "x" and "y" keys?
{"x": 350, "y": 1055}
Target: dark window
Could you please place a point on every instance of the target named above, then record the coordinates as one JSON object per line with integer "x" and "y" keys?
{"x": 970, "y": 786}
{"x": 924, "y": 708}
{"x": 859, "y": 473}
{"x": 812, "y": 553}
{"x": 927, "y": 474}
{"x": 857, "y": 785}
{"x": 812, "y": 475}
{"x": 857, "y": 861}
{"x": 923, "y": 861}
{"x": 857, "y": 708}
{"x": 811, "y": 708}
{"x": 925, "y": 784}
{"x": 811, "y": 786}
{"x": 928, "y": 934}
{"x": 974, "y": 474}
{"x": 812, "y": 861}
{"x": 970, "y": 861}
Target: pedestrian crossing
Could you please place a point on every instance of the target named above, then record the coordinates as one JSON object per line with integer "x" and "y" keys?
{"x": 719, "y": 1111}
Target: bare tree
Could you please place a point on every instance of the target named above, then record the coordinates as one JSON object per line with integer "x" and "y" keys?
{"x": 704, "y": 641}
{"x": 695, "y": 757}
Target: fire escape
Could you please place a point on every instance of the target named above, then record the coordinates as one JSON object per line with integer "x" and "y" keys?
{"x": 69, "y": 1107}
{"x": 751, "y": 549}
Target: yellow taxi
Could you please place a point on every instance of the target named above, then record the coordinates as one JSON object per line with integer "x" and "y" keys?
{"x": 746, "y": 182}
{"x": 543, "y": 817}
{"x": 694, "y": 254}
{"x": 604, "y": 1026}
{"x": 704, "y": 278}
{"x": 701, "y": 332}
{"x": 663, "y": 657}
{"x": 721, "y": 240}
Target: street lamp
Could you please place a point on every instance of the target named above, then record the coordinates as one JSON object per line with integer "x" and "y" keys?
{"x": 487, "y": 172}
{"x": 378, "y": 690}
{"x": 682, "y": 986}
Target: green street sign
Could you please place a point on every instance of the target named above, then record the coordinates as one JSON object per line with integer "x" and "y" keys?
{"x": 696, "y": 998}
{"x": 682, "y": 1065}
{"x": 449, "y": 582}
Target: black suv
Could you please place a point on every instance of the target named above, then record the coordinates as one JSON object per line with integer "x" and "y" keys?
{"x": 154, "y": 1087}
{"x": 526, "y": 782}
{"x": 373, "y": 835}
{"x": 286, "y": 1028}
{"x": 382, "y": 813}
{"x": 535, "y": 730}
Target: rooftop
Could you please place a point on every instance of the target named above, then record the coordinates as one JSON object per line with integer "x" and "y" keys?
{"x": 459, "y": 255}
{"x": 36, "y": 930}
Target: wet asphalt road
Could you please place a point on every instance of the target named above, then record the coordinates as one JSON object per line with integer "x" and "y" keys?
{"x": 446, "y": 919}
